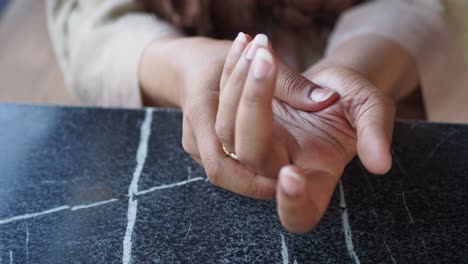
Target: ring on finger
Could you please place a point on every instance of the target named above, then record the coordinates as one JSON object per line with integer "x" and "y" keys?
{"x": 229, "y": 153}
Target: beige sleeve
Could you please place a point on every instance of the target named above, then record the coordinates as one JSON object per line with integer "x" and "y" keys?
{"x": 98, "y": 44}
{"x": 420, "y": 27}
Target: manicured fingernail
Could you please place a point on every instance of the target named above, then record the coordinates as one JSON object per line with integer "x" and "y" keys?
{"x": 239, "y": 43}
{"x": 290, "y": 182}
{"x": 321, "y": 94}
{"x": 261, "y": 40}
{"x": 262, "y": 64}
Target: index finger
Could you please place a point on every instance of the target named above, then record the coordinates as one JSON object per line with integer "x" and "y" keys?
{"x": 222, "y": 170}
{"x": 254, "y": 142}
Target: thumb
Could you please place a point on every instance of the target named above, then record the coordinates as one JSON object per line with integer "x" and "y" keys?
{"x": 374, "y": 132}
{"x": 302, "y": 94}
{"x": 303, "y": 196}
{"x": 369, "y": 110}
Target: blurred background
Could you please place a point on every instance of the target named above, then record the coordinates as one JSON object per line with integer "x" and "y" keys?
{"x": 28, "y": 70}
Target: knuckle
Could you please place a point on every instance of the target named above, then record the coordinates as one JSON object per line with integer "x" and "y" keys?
{"x": 224, "y": 132}
{"x": 187, "y": 145}
{"x": 188, "y": 141}
{"x": 289, "y": 83}
{"x": 377, "y": 99}
{"x": 257, "y": 162}
{"x": 195, "y": 110}
{"x": 374, "y": 103}
{"x": 197, "y": 100}
{"x": 213, "y": 170}
{"x": 190, "y": 109}
{"x": 362, "y": 96}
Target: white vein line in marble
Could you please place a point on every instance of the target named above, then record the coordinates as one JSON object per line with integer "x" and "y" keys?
{"x": 412, "y": 127}
{"x": 189, "y": 172}
{"x": 390, "y": 252}
{"x": 425, "y": 249}
{"x": 188, "y": 231}
{"x": 127, "y": 242}
{"x": 54, "y": 210}
{"x": 168, "y": 186}
{"x": 295, "y": 261}
{"x": 364, "y": 173}
{"x": 406, "y": 208}
{"x": 33, "y": 215}
{"x": 284, "y": 250}
{"x": 375, "y": 213}
{"x": 91, "y": 205}
{"x": 346, "y": 226}
{"x": 86, "y": 206}
{"x": 397, "y": 162}
{"x": 11, "y": 257}
{"x": 142, "y": 151}
{"x": 27, "y": 244}
{"x": 440, "y": 144}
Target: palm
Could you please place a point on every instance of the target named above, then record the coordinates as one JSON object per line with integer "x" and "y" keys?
{"x": 323, "y": 141}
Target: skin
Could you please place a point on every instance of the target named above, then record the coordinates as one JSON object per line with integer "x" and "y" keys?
{"x": 301, "y": 147}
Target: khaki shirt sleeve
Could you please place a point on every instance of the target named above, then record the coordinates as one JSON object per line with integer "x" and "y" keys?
{"x": 98, "y": 45}
{"x": 420, "y": 27}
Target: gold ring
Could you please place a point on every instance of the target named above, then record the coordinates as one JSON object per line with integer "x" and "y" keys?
{"x": 230, "y": 154}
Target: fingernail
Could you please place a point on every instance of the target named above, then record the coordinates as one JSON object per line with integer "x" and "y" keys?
{"x": 290, "y": 182}
{"x": 262, "y": 64}
{"x": 321, "y": 94}
{"x": 261, "y": 40}
{"x": 239, "y": 43}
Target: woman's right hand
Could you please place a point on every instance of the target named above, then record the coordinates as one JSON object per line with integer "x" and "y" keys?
{"x": 306, "y": 151}
{"x": 186, "y": 73}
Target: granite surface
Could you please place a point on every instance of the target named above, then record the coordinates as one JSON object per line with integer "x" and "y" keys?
{"x": 3, "y": 5}
{"x": 108, "y": 186}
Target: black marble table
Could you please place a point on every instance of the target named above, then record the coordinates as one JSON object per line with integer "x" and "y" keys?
{"x": 84, "y": 185}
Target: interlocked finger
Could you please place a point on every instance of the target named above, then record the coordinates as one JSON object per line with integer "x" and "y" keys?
{"x": 254, "y": 143}
{"x": 232, "y": 91}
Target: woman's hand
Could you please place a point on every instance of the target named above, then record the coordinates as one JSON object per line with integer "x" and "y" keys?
{"x": 308, "y": 150}
{"x": 361, "y": 122}
{"x": 186, "y": 73}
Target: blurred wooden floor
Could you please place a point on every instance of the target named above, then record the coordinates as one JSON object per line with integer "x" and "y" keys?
{"x": 28, "y": 70}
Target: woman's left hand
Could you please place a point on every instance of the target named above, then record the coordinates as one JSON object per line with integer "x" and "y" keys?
{"x": 306, "y": 151}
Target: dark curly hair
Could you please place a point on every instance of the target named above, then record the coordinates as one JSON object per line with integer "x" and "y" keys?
{"x": 224, "y": 18}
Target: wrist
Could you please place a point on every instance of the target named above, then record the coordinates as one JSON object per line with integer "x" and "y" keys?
{"x": 169, "y": 66}
{"x": 383, "y": 62}
{"x": 159, "y": 83}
